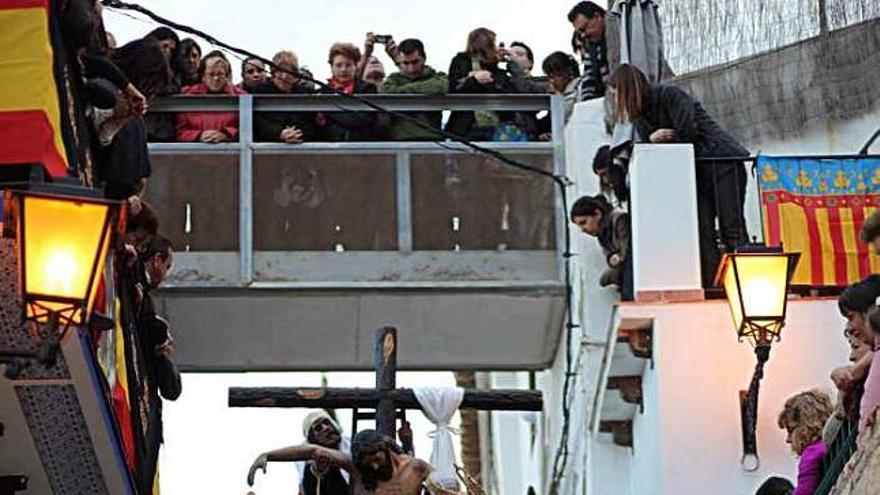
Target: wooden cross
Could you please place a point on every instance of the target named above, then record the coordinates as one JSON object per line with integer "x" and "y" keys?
{"x": 385, "y": 398}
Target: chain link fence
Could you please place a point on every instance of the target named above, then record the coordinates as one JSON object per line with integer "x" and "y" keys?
{"x": 702, "y": 33}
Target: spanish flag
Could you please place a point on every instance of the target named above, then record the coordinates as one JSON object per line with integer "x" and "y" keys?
{"x": 817, "y": 207}
{"x": 30, "y": 108}
{"x": 120, "y": 391}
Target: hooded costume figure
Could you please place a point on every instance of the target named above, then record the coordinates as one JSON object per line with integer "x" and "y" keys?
{"x": 333, "y": 481}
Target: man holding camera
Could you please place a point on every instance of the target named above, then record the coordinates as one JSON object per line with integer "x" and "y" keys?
{"x": 417, "y": 78}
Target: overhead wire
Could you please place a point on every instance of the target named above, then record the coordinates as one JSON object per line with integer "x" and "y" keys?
{"x": 561, "y": 181}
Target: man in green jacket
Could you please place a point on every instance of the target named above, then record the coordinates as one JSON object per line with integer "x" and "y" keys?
{"x": 417, "y": 78}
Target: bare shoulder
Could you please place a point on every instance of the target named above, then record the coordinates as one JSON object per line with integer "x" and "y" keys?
{"x": 420, "y": 467}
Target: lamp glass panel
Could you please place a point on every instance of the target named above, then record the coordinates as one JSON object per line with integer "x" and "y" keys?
{"x": 99, "y": 270}
{"x": 731, "y": 289}
{"x": 763, "y": 281}
{"x": 62, "y": 238}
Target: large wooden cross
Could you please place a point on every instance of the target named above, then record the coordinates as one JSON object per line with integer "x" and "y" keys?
{"x": 386, "y": 399}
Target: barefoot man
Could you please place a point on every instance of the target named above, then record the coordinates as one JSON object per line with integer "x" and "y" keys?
{"x": 377, "y": 465}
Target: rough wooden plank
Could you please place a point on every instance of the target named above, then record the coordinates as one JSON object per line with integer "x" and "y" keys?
{"x": 484, "y": 400}
{"x": 386, "y": 378}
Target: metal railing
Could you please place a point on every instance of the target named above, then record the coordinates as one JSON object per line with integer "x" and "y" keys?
{"x": 256, "y": 158}
{"x": 839, "y": 453}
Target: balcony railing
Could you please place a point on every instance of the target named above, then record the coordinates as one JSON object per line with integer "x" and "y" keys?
{"x": 319, "y": 213}
{"x": 839, "y": 453}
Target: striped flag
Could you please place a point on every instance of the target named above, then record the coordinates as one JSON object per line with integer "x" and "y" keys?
{"x": 30, "y": 108}
{"x": 817, "y": 207}
{"x": 120, "y": 392}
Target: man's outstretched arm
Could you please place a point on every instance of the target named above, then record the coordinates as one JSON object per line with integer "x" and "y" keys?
{"x": 323, "y": 457}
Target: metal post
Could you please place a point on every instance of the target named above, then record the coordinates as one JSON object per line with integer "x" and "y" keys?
{"x": 557, "y": 127}
{"x": 245, "y": 188}
{"x": 404, "y": 202}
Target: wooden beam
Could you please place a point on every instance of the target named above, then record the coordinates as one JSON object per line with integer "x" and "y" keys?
{"x": 630, "y": 388}
{"x": 621, "y": 432}
{"x": 639, "y": 340}
{"x": 385, "y": 360}
{"x": 403, "y": 398}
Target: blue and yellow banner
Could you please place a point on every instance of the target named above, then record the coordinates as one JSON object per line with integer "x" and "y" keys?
{"x": 817, "y": 207}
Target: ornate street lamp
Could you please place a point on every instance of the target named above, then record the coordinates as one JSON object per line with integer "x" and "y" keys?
{"x": 756, "y": 280}
{"x": 62, "y": 242}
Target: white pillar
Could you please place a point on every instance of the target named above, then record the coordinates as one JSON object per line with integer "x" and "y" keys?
{"x": 666, "y": 247}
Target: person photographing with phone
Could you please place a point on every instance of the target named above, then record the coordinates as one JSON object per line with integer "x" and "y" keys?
{"x": 370, "y": 69}
{"x": 476, "y": 71}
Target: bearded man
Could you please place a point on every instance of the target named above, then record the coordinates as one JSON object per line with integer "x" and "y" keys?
{"x": 376, "y": 464}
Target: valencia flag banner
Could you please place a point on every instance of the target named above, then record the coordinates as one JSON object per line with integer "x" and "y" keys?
{"x": 817, "y": 207}
{"x": 30, "y": 107}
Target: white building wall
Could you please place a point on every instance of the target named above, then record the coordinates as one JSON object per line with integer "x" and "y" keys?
{"x": 512, "y": 442}
{"x": 610, "y": 466}
{"x": 700, "y": 368}
{"x": 688, "y": 440}
{"x": 649, "y": 460}
{"x": 584, "y": 134}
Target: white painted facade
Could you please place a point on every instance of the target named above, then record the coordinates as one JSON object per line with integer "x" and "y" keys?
{"x": 688, "y": 439}
{"x": 663, "y": 188}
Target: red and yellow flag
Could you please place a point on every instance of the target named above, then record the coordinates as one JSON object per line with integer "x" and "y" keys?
{"x": 120, "y": 391}
{"x": 30, "y": 113}
{"x": 817, "y": 207}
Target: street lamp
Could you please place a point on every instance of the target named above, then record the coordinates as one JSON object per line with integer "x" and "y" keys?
{"x": 756, "y": 280}
{"x": 62, "y": 242}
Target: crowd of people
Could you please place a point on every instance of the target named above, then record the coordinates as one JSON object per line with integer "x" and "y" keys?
{"x": 649, "y": 112}
{"x": 816, "y": 425}
{"x": 108, "y": 92}
{"x": 123, "y": 80}
{"x": 485, "y": 66}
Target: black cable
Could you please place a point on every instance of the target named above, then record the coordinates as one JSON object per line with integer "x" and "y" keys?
{"x": 561, "y": 181}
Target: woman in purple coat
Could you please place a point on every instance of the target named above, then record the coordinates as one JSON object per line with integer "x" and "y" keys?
{"x": 803, "y": 417}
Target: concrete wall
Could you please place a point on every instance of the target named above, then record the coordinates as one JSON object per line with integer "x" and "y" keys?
{"x": 786, "y": 92}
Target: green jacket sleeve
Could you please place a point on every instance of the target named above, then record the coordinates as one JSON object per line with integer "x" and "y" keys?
{"x": 434, "y": 85}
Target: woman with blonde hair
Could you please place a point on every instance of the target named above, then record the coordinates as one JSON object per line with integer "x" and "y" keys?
{"x": 210, "y": 127}
{"x": 803, "y": 417}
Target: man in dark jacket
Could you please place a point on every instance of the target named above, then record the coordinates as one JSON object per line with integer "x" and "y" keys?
{"x": 415, "y": 77}
{"x": 285, "y": 127}
{"x": 152, "y": 375}
{"x": 588, "y": 20}
{"x": 155, "y": 262}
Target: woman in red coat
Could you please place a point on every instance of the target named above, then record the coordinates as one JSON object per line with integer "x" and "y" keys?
{"x": 210, "y": 127}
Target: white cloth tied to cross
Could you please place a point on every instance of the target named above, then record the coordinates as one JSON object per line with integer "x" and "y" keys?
{"x": 439, "y": 405}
